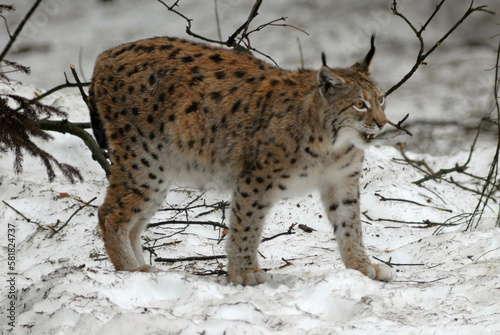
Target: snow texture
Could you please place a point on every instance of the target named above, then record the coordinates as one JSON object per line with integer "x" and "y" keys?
{"x": 445, "y": 283}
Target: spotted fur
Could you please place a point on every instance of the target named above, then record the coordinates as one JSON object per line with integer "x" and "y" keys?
{"x": 179, "y": 111}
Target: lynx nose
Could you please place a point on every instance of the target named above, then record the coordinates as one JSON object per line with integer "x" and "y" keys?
{"x": 381, "y": 124}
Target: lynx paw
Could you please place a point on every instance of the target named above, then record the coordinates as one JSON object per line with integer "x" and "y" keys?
{"x": 380, "y": 272}
{"x": 248, "y": 278}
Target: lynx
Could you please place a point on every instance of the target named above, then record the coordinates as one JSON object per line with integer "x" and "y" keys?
{"x": 177, "y": 111}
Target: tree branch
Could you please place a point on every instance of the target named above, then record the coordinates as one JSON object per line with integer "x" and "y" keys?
{"x": 18, "y": 29}
{"x": 64, "y": 126}
{"x": 242, "y": 31}
{"x": 490, "y": 186}
{"x": 418, "y": 33}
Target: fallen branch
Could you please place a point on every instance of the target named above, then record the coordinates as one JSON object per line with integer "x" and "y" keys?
{"x": 218, "y": 272}
{"x": 382, "y": 198}
{"x": 187, "y": 222}
{"x": 426, "y": 223}
{"x": 189, "y": 259}
{"x": 442, "y": 172}
{"x": 56, "y": 231}
{"x": 390, "y": 264}
{"x": 289, "y": 232}
{"x": 287, "y": 263}
{"x": 20, "y": 214}
{"x": 419, "y": 281}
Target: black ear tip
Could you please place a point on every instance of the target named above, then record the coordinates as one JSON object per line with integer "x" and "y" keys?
{"x": 373, "y": 40}
{"x": 323, "y": 58}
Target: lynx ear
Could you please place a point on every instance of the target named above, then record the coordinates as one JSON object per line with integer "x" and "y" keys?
{"x": 366, "y": 64}
{"x": 328, "y": 79}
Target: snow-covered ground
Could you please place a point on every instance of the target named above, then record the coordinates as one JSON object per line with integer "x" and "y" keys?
{"x": 446, "y": 282}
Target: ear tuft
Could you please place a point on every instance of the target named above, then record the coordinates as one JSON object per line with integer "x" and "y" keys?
{"x": 323, "y": 58}
{"x": 366, "y": 64}
{"x": 328, "y": 79}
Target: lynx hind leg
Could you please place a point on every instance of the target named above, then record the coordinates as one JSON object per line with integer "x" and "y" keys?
{"x": 122, "y": 218}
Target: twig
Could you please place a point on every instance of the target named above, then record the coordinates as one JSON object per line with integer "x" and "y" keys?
{"x": 56, "y": 231}
{"x": 492, "y": 178}
{"x": 273, "y": 24}
{"x": 418, "y": 281}
{"x": 415, "y": 164}
{"x": 188, "y": 20}
{"x": 440, "y": 173}
{"x": 456, "y": 168}
{"x": 289, "y": 232}
{"x": 52, "y": 90}
{"x": 18, "y": 212}
{"x": 487, "y": 252}
{"x": 398, "y": 125}
{"x": 217, "y": 20}
{"x": 218, "y": 272}
{"x": 79, "y": 84}
{"x": 189, "y": 259}
{"x": 242, "y": 31}
{"x": 8, "y": 8}
{"x": 425, "y": 222}
{"x": 382, "y": 198}
{"x": 287, "y": 263}
{"x": 421, "y": 56}
{"x": 18, "y": 29}
{"x": 253, "y": 13}
{"x": 301, "y": 54}
{"x": 210, "y": 223}
{"x": 389, "y": 263}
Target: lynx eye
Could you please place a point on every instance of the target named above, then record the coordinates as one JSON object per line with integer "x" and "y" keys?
{"x": 381, "y": 100}
{"x": 360, "y": 106}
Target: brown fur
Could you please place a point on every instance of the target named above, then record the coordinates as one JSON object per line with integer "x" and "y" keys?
{"x": 177, "y": 110}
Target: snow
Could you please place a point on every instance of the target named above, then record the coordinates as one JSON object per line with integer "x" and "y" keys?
{"x": 447, "y": 282}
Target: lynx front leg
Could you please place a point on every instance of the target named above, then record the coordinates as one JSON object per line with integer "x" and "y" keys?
{"x": 343, "y": 213}
{"x": 248, "y": 212}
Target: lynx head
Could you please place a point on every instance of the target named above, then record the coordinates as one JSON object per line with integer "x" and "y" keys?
{"x": 354, "y": 105}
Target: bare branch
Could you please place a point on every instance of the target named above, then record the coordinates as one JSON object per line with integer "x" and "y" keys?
{"x": 85, "y": 204}
{"x": 52, "y": 90}
{"x": 64, "y": 126}
{"x": 421, "y": 56}
{"x": 18, "y": 29}
{"x": 253, "y": 13}
{"x": 398, "y": 125}
{"x": 79, "y": 84}
{"x": 242, "y": 31}
{"x": 188, "y": 20}
{"x": 490, "y": 186}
